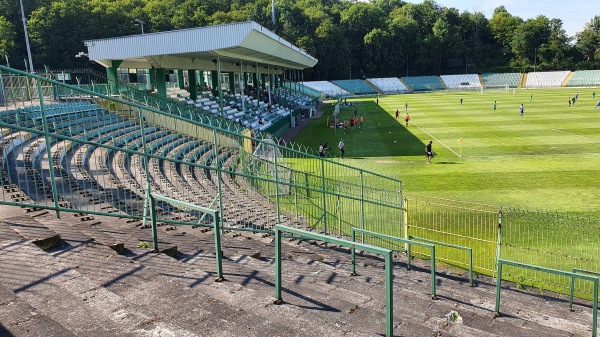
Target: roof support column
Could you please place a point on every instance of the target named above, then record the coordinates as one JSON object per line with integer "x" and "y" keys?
{"x": 111, "y": 75}
{"x": 242, "y": 85}
{"x": 255, "y": 81}
{"x": 270, "y": 83}
{"x": 161, "y": 84}
{"x": 192, "y": 87}
{"x": 232, "y": 82}
{"x": 152, "y": 73}
{"x": 214, "y": 76}
{"x": 180, "y": 79}
{"x": 220, "y": 85}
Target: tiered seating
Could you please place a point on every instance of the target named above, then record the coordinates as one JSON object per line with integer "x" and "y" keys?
{"x": 327, "y": 88}
{"x": 389, "y": 85}
{"x": 423, "y": 83}
{"x": 546, "y": 79}
{"x": 585, "y": 78}
{"x": 305, "y": 90}
{"x": 497, "y": 80}
{"x": 357, "y": 87}
{"x": 462, "y": 81}
{"x": 178, "y": 95}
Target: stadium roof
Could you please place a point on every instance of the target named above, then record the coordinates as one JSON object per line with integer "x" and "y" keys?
{"x": 196, "y": 48}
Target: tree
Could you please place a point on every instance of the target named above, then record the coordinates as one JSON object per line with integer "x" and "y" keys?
{"x": 503, "y": 26}
{"x": 529, "y": 37}
{"x": 588, "y": 41}
{"x": 7, "y": 37}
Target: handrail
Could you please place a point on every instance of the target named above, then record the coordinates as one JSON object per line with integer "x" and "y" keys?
{"x": 468, "y": 249}
{"x": 552, "y": 271}
{"x": 183, "y": 204}
{"x": 572, "y": 288}
{"x": 393, "y": 238}
{"x": 387, "y": 253}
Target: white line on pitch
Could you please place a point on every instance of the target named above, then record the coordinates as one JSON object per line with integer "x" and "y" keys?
{"x": 576, "y": 135}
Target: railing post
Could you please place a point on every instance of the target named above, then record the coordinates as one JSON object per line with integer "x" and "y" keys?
{"x": 48, "y": 150}
{"x": 276, "y": 184}
{"x": 218, "y": 251}
{"x": 498, "y": 287}
{"x": 389, "y": 295}
{"x": 278, "y": 299}
{"x": 146, "y": 161}
{"x": 152, "y": 202}
{"x": 324, "y": 197}
{"x": 216, "y": 142}
{"x": 405, "y": 220}
{"x": 595, "y": 310}
{"x": 499, "y": 240}
{"x": 471, "y": 266}
{"x": 433, "y": 290}
{"x": 353, "y": 252}
{"x": 362, "y": 205}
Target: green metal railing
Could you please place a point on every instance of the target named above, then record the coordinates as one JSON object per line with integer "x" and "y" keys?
{"x": 386, "y": 253}
{"x": 571, "y": 275}
{"x": 93, "y": 153}
{"x": 184, "y": 205}
{"x": 467, "y": 249}
{"x": 572, "y": 289}
{"x": 409, "y": 256}
{"x": 108, "y": 152}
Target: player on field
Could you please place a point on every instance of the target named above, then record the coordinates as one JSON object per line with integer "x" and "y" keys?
{"x": 429, "y": 152}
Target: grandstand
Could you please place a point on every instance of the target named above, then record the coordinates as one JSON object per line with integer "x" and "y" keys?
{"x": 389, "y": 85}
{"x": 95, "y": 167}
{"x": 546, "y": 79}
{"x": 327, "y": 88}
{"x": 356, "y": 87}
{"x": 423, "y": 83}
{"x": 585, "y": 78}
{"x": 502, "y": 79}
{"x": 130, "y": 175}
{"x": 462, "y": 82}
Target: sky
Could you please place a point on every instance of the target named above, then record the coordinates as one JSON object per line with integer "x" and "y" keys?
{"x": 574, "y": 14}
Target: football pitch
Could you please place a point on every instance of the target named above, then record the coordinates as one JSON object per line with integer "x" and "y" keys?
{"x": 547, "y": 160}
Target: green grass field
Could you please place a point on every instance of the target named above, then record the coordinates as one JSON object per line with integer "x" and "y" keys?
{"x": 548, "y": 160}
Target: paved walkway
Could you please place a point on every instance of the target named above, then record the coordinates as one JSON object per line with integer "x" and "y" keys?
{"x": 291, "y": 133}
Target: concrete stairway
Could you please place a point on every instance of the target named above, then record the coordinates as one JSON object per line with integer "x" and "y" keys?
{"x": 84, "y": 288}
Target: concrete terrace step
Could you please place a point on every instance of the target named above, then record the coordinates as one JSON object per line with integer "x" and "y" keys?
{"x": 33, "y": 231}
{"x": 21, "y": 319}
{"x": 164, "y": 284}
{"x": 336, "y": 304}
{"x": 64, "y": 295}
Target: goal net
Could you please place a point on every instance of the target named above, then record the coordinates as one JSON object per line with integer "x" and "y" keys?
{"x": 504, "y": 87}
{"x": 272, "y": 164}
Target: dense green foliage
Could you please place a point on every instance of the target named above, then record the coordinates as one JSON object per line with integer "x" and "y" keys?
{"x": 381, "y": 38}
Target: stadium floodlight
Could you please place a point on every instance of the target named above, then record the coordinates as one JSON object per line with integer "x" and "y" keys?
{"x": 141, "y": 22}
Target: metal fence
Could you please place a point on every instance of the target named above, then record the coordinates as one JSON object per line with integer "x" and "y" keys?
{"x": 74, "y": 150}
{"x": 81, "y": 152}
{"x": 531, "y": 237}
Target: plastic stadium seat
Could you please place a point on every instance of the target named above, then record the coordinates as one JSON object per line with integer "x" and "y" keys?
{"x": 423, "y": 83}
{"x": 496, "y": 80}
{"x": 546, "y": 79}
{"x": 389, "y": 85}
{"x": 585, "y": 78}
{"x": 327, "y": 88}
{"x": 462, "y": 81}
{"x": 357, "y": 87}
